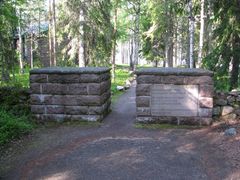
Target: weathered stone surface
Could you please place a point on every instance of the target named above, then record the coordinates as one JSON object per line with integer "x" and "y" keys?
{"x": 105, "y": 86}
{"x": 90, "y": 78}
{"x": 148, "y": 79}
{"x": 54, "y": 89}
{"x": 207, "y": 80}
{"x": 65, "y": 78}
{"x": 77, "y": 89}
{"x": 64, "y": 117}
{"x": 143, "y": 111}
{"x": 143, "y": 101}
{"x": 174, "y": 100}
{"x": 70, "y": 70}
{"x": 38, "y": 109}
{"x": 229, "y": 117}
{"x": 143, "y": 90}
{"x": 205, "y": 112}
{"x": 206, "y": 102}
{"x": 39, "y": 78}
{"x": 221, "y": 102}
{"x": 76, "y": 110}
{"x": 206, "y": 90}
{"x": 230, "y": 99}
{"x": 94, "y": 89}
{"x": 36, "y": 99}
{"x": 174, "y": 71}
{"x": 230, "y": 132}
{"x": 36, "y": 88}
{"x": 237, "y": 111}
{"x": 177, "y": 80}
{"x": 227, "y": 110}
{"x": 96, "y": 110}
{"x": 53, "y": 109}
{"x": 70, "y": 93}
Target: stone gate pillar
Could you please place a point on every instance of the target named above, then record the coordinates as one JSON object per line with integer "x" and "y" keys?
{"x": 174, "y": 95}
{"x": 60, "y": 94}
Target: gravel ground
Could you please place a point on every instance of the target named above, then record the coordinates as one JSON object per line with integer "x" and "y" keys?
{"x": 117, "y": 150}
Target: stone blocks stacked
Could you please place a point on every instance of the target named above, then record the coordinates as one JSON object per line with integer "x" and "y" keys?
{"x": 174, "y": 95}
{"x": 63, "y": 94}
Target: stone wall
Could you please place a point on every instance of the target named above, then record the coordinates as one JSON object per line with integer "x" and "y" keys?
{"x": 174, "y": 95}
{"x": 226, "y": 105}
{"x": 59, "y": 94}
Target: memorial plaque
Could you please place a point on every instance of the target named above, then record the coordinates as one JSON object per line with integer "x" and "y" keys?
{"x": 174, "y": 100}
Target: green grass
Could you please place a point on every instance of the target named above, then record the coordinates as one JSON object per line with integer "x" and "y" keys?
{"x": 122, "y": 74}
{"x": 164, "y": 126}
{"x": 12, "y": 127}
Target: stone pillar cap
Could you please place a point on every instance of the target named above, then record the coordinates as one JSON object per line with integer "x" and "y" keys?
{"x": 174, "y": 71}
{"x": 70, "y": 70}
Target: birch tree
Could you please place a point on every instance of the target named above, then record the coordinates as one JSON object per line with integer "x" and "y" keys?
{"x": 191, "y": 35}
{"x": 201, "y": 36}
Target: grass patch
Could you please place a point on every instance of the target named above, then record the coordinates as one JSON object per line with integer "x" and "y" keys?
{"x": 12, "y": 127}
{"x": 164, "y": 126}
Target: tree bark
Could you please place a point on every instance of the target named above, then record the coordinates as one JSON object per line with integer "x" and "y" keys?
{"x": 50, "y": 33}
{"x": 81, "y": 52}
{"x": 201, "y": 37}
{"x": 20, "y": 43}
{"x": 191, "y": 35}
{"x": 235, "y": 63}
{"x": 54, "y": 34}
{"x": 114, "y": 42}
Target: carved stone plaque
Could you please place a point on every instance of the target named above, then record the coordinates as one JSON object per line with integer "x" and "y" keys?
{"x": 174, "y": 100}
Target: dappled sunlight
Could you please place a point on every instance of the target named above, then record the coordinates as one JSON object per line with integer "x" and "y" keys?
{"x": 125, "y": 157}
{"x": 66, "y": 175}
{"x": 187, "y": 148}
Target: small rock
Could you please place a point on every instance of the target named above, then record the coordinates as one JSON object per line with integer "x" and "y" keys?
{"x": 234, "y": 92}
{"x": 230, "y": 132}
{"x": 221, "y": 102}
{"x": 237, "y": 112}
{"x": 229, "y": 117}
{"x": 120, "y": 88}
{"x": 227, "y": 110}
{"x": 230, "y": 99}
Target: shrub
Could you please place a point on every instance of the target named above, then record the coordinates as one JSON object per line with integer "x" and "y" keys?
{"x": 12, "y": 126}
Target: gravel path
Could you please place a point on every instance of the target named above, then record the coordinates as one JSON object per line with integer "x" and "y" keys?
{"x": 117, "y": 150}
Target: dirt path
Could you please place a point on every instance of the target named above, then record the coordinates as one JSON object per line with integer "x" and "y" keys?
{"x": 117, "y": 150}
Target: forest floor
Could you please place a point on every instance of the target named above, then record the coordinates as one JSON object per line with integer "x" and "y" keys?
{"x": 116, "y": 149}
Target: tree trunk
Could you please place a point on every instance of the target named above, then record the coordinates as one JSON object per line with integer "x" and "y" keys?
{"x": 31, "y": 51}
{"x": 50, "y": 33}
{"x": 81, "y": 53}
{"x": 191, "y": 35}
{"x": 201, "y": 37}
{"x": 54, "y": 59}
{"x": 235, "y": 63}
{"x": 131, "y": 55}
{"x": 114, "y": 42}
{"x": 136, "y": 36}
{"x": 20, "y": 44}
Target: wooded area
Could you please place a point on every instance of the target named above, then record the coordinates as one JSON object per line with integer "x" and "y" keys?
{"x": 167, "y": 33}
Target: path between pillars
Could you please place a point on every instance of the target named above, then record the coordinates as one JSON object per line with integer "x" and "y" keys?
{"x": 115, "y": 150}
